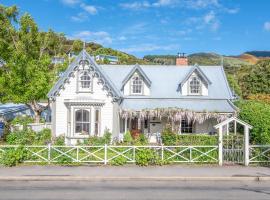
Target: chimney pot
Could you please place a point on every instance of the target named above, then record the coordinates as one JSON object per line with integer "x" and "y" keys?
{"x": 181, "y": 60}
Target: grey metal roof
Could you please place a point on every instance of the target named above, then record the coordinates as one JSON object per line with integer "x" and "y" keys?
{"x": 166, "y": 78}
{"x": 197, "y": 69}
{"x": 12, "y": 108}
{"x": 138, "y": 69}
{"x": 197, "y": 105}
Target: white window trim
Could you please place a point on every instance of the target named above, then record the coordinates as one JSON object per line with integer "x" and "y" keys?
{"x": 189, "y": 90}
{"x": 99, "y": 122}
{"x": 79, "y": 88}
{"x": 131, "y": 84}
{"x": 78, "y": 135}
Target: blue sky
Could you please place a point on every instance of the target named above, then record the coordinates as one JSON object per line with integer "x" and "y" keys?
{"x": 158, "y": 26}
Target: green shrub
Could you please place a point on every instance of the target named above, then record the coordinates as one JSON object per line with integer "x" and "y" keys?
{"x": 13, "y": 157}
{"x": 43, "y": 137}
{"x": 107, "y": 136}
{"x": 168, "y": 137}
{"x": 197, "y": 139}
{"x": 59, "y": 141}
{"x": 28, "y": 137}
{"x": 119, "y": 161}
{"x": 23, "y": 120}
{"x": 95, "y": 140}
{"x": 145, "y": 157}
{"x": 22, "y": 137}
{"x": 256, "y": 114}
{"x": 128, "y": 138}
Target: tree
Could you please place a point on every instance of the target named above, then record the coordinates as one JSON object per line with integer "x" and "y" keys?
{"x": 26, "y": 76}
{"x": 256, "y": 114}
{"x": 256, "y": 81}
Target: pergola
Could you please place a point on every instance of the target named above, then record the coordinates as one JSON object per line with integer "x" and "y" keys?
{"x": 226, "y": 124}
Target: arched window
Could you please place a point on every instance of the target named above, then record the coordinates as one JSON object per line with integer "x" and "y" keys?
{"x": 136, "y": 85}
{"x": 85, "y": 82}
{"x": 195, "y": 85}
{"x": 82, "y": 122}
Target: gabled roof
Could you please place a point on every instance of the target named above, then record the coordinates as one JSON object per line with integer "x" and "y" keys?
{"x": 227, "y": 121}
{"x": 195, "y": 69}
{"x": 104, "y": 79}
{"x": 139, "y": 70}
{"x": 165, "y": 80}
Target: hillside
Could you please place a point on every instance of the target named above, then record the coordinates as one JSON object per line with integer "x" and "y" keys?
{"x": 199, "y": 58}
{"x": 97, "y": 49}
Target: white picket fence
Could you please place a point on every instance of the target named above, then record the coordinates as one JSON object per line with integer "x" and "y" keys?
{"x": 107, "y": 154}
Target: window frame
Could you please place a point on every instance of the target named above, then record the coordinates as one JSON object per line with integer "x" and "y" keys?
{"x": 199, "y": 85}
{"x": 75, "y": 133}
{"x": 98, "y": 123}
{"x": 186, "y": 125}
{"x": 80, "y": 89}
{"x": 132, "y": 85}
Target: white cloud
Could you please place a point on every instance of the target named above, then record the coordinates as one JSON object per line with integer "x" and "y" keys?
{"x": 209, "y": 20}
{"x": 89, "y": 9}
{"x": 149, "y": 48}
{"x": 70, "y": 2}
{"x": 122, "y": 38}
{"x": 80, "y": 17}
{"x": 160, "y": 3}
{"x": 136, "y": 5}
{"x": 200, "y": 4}
{"x": 231, "y": 10}
{"x": 267, "y": 26}
{"x": 146, "y": 4}
{"x": 209, "y": 17}
{"x": 100, "y": 37}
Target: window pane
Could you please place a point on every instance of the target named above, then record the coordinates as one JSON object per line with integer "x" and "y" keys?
{"x": 136, "y": 85}
{"x": 78, "y": 128}
{"x": 85, "y": 116}
{"x": 86, "y": 128}
{"x": 78, "y": 116}
{"x": 186, "y": 126}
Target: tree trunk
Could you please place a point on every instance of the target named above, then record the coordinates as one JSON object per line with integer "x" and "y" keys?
{"x": 37, "y": 109}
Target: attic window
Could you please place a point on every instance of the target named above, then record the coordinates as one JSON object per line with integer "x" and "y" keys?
{"x": 195, "y": 86}
{"x": 136, "y": 85}
{"x": 84, "y": 82}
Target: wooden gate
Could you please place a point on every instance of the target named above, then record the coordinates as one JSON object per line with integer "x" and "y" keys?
{"x": 233, "y": 149}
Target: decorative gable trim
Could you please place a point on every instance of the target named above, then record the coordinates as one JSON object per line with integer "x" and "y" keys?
{"x": 194, "y": 69}
{"x": 103, "y": 79}
{"x": 140, "y": 71}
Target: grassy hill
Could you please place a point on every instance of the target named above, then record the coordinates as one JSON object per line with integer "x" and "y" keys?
{"x": 199, "y": 58}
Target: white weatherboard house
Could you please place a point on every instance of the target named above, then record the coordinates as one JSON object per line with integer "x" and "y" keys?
{"x": 90, "y": 99}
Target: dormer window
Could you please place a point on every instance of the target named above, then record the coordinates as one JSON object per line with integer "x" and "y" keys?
{"x": 136, "y": 85}
{"x": 195, "y": 86}
{"x": 84, "y": 82}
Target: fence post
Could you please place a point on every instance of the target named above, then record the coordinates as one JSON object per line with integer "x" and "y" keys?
{"x": 105, "y": 154}
{"x": 246, "y": 147}
{"x": 190, "y": 154}
{"x": 49, "y": 153}
{"x": 134, "y": 153}
{"x": 77, "y": 157}
{"x": 220, "y": 146}
{"x": 162, "y": 152}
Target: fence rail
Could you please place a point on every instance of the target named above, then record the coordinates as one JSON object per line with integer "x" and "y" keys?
{"x": 107, "y": 154}
{"x": 259, "y": 153}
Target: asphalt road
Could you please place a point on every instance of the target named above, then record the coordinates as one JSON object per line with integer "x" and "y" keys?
{"x": 134, "y": 190}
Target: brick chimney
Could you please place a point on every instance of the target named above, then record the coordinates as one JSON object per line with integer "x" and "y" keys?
{"x": 181, "y": 59}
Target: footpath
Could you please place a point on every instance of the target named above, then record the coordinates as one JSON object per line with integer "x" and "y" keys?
{"x": 132, "y": 172}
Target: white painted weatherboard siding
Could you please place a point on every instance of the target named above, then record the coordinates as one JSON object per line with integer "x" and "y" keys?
{"x": 60, "y": 110}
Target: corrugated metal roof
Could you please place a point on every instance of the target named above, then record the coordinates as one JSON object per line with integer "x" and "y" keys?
{"x": 197, "y": 105}
{"x": 12, "y": 108}
{"x": 166, "y": 78}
